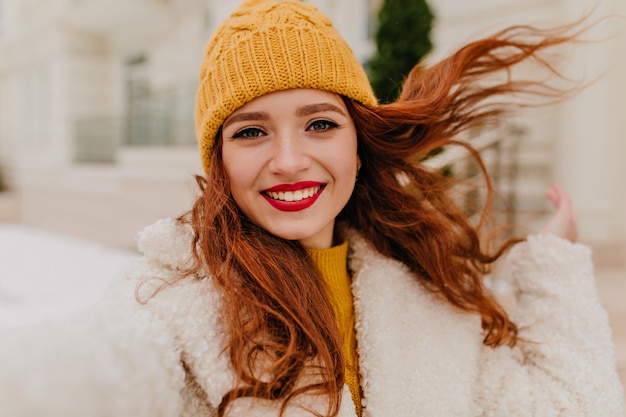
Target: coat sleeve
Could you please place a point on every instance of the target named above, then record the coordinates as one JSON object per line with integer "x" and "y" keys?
{"x": 566, "y": 364}
{"x": 113, "y": 359}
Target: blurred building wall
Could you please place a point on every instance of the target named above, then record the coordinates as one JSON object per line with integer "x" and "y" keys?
{"x": 96, "y": 106}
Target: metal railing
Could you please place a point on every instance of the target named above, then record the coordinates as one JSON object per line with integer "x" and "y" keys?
{"x": 499, "y": 149}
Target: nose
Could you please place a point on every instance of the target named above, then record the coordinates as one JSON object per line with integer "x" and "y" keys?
{"x": 289, "y": 156}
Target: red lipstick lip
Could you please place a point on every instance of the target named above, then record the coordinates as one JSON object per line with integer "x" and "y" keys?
{"x": 295, "y": 187}
{"x": 294, "y": 205}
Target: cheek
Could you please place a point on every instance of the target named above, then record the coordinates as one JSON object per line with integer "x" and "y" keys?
{"x": 228, "y": 167}
{"x": 232, "y": 172}
{"x": 241, "y": 173}
{"x": 346, "y": 160}
{"x": 233, "y": 165}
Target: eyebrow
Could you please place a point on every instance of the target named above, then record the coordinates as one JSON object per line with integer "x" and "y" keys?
{"x": 317, "y": 108}
{"x": 242, "y": 117}
{"x": 300, "y": 112}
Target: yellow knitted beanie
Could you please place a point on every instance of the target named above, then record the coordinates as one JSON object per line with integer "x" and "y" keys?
{"x": 267, "y": 46}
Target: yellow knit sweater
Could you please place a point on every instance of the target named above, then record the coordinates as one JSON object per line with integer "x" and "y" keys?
{"x": 332, "y": 263}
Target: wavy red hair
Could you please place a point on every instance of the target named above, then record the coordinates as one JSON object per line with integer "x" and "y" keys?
{"x": 280, "y": 323}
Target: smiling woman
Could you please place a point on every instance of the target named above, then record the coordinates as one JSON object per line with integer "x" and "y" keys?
{"x": 307, "y": 280}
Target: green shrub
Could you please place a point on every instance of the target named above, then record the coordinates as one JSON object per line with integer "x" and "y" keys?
{"x": 402, "y": 40}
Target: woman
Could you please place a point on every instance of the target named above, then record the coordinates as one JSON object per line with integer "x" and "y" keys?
{"x": 323, "y": 270}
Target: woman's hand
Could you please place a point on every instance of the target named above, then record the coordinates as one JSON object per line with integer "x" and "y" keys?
{"x": 564, "y": 221}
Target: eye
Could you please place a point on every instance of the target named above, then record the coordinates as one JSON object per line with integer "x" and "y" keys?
{"x": 322, "y": 125}
{"x": 248, "y": 133}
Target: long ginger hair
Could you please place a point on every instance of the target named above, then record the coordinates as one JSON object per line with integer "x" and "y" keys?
{"x": 280, "y": 323}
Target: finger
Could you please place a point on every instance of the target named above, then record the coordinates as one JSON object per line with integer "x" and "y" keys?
{"x": 559, "y": 191}
{"x": 566, "y": 201}
{"x": 553, "y": 195}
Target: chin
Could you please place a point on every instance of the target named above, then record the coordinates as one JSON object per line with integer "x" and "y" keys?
{"x": 291, "y": 235}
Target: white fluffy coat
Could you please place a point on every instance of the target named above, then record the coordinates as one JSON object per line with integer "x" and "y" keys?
{"x": 418, "y": 355}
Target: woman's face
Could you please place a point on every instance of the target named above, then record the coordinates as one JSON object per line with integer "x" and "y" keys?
{"x": 291, "y": 157}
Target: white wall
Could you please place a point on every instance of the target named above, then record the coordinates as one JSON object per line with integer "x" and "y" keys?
{"x": 586, "y": 136}
{"x": 590, "y": 155}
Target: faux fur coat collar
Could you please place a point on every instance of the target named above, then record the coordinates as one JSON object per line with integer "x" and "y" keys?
{"x": 417, "y": 354}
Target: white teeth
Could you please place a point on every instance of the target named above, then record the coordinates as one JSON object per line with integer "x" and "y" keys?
{"x": 294, "y": 195}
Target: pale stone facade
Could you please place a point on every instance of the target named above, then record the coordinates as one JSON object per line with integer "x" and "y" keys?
{"x": 72, "y": 71}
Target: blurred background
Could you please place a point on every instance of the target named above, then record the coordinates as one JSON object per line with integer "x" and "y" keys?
{"x": 96, "y": 107}
{"x": 96, "y": 115}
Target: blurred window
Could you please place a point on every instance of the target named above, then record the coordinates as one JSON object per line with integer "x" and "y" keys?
{"x": 137, "y": 101}
{"x": 157, "y": 117}
{"x": 2, "y": 14}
